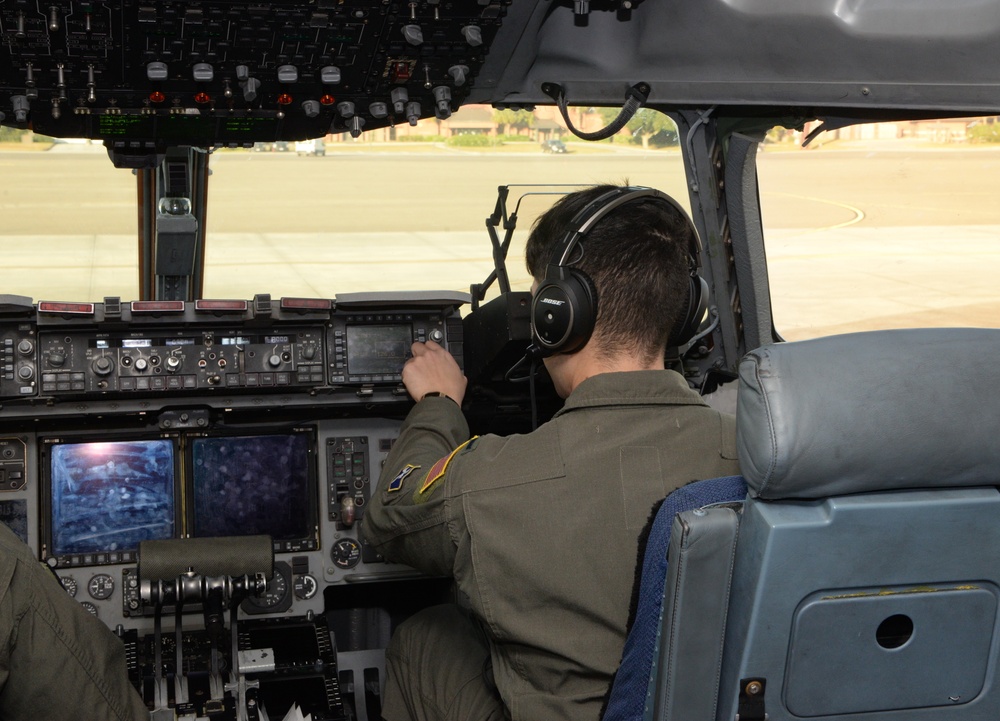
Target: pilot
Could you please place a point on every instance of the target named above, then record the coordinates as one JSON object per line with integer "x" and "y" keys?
{"x": 57, "y": 662}
{"x": 539, "y": 531}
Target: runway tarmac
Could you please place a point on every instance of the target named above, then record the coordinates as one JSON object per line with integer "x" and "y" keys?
{"x": 855, "y": 239}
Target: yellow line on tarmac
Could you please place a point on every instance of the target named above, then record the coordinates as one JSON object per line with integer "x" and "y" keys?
{"x": 859, "y": 214}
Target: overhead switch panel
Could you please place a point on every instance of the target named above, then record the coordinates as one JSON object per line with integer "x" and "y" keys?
{"x": 222, "y": 73}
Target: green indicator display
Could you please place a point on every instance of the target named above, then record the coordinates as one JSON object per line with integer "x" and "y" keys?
{"x": 245, "y": 125}
{"x": 195, "y": 129}
{"x": 124, "y": 126}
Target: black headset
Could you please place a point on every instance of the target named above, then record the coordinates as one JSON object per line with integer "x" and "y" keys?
{"x": 564, "y": 307}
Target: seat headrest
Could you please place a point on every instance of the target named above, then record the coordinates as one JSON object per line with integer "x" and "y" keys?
{"x": 870, "y": 412}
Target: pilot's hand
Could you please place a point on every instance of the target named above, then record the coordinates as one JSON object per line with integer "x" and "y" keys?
{"x": 433, "y": 369}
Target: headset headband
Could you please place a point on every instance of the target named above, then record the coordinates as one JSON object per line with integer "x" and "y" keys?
{"x": 564, "y": 306}
{"x": 594, "y": 211}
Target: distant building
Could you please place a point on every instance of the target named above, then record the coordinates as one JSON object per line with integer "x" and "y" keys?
{"x": 548, "y": 124}
{"x": 470, "y": 119}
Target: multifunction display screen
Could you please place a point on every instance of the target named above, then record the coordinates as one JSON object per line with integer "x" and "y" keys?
{"x": 109, "y": 496}
{"x": 249, "y": 485}
{"x": 378, "y": 349}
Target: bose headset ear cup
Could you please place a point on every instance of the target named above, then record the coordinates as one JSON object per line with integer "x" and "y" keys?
{"x": 687, "y": 325}
{"x": 563, "y": 312}
{"x": 568, "y": 330}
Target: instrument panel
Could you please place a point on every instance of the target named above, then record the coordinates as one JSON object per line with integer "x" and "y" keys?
{"x": 129, "y": 422}
{"x": 84, "y": 499}
{"x": 213, "y": 423}
{"x": 150, "y": 74}
{"x": 60, "y": 352}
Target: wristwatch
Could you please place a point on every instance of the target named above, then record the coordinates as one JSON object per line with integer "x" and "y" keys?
{"x": 438, "y": 394}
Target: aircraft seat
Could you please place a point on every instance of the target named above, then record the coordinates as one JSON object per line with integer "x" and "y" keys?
{"x": 865, "y": 579}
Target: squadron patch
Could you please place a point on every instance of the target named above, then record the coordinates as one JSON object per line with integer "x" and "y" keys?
{"x": 396, "y": 483}
{"x": 438, "y": 470}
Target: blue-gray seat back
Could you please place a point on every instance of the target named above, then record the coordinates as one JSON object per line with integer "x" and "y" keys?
{"x": 675, "y": 640}
{"x": 866, "y": 580}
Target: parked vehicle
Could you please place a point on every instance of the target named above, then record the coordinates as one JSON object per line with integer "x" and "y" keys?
{"x": 310, "y": 147}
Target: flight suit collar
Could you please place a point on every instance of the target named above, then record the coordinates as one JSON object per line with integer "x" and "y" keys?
{"x": 638, "y": 388}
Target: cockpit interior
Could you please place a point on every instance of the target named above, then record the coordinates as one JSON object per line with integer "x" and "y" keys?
{"x": 238, "y": 441}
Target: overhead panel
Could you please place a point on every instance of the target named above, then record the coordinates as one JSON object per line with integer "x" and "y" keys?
{"x": 170, "y": 72}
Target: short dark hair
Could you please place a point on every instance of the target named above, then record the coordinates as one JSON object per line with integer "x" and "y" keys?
{"x": 637, "y": 258}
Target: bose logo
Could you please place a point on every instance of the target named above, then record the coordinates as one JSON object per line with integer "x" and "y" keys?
{"x": 552, "y": 301}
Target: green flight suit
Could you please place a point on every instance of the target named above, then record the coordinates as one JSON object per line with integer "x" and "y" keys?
{"x": 539, "y": 532}
{"x": 57, "y": 662}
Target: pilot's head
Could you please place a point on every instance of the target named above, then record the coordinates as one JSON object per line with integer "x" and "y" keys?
{"x": 636, "y": 257}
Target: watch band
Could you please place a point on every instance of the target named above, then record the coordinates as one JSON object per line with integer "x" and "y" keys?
{"x": 438, "y": 394}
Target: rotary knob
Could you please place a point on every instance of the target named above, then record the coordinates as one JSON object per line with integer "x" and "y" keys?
{"x": 274, "y": 360}
{"x": 141, "y": 364}
{"x": 103, "y": 366}
{"x": 305, "y": 587}
{"x": 25, "y": 347}
{"x": 25, "y": 373}
{"x": 56, "y": 359}
{"x": 173, "y": 363}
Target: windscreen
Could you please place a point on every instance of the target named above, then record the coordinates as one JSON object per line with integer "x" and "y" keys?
{"x": 109, "y": 496}
{"x": 891, "y": 225}
{"x": 249, "y": 485}
{"x": 282, "y": 220}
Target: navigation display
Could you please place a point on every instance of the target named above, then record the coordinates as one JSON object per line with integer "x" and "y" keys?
{"x": 378, "y": 349}
{"x": 248, "y": 485}
{"x": 109, "y": 496}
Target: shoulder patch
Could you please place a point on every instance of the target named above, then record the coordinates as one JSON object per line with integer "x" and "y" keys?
{"x": 396, "y": 483}
{"x": 438, "y": 470}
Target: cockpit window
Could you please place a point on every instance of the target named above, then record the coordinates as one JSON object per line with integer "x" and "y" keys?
{"x": 68, "y": 228}
{"x": 893, "y": 225}
{"x": 391, "y": 210}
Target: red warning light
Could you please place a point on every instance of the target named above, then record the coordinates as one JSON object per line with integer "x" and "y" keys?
{"x": 327, "y": 99}
{"x": 221, "y": 306}
{"x": 157, "y": 97}
{"x": 284, "y": 99}
{"x": 157, "y": 306}
{"x": 306, "y": 304}
{"x": 59, "y": 308}
{"x": 202, "y": 98}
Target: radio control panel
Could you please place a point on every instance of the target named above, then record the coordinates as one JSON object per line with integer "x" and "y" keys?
{"x": 64, "y": 352}
{"x": 180, "y": 359}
